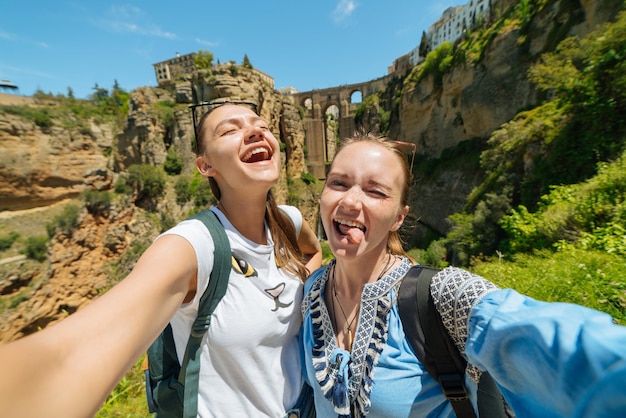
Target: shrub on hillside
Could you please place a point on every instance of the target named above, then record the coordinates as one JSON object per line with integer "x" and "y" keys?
{"x": 35, "y": 248}
{"x": 97, "y": 202}
{"x": 147, "y": 180}
{"x": 121, "y": 186}
{"x": 66, "y": 221}
{"x": 173, "y": 163}
{"x": 182, "y": 190}
{"x": 7, "y": 240}
{"x": 201, "y": 192}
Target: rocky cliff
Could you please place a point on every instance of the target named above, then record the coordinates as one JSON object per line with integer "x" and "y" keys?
{"x": 477, "y": 96}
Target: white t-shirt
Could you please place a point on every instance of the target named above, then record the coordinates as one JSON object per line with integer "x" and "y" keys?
{"x": 250, "y": 362}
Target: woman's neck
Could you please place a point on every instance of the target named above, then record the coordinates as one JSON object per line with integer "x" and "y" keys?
{"x": 248, "y": 217}
{"x": 352, "y": 275}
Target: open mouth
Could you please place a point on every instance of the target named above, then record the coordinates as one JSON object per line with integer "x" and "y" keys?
{"x": 354, "y": 231}
{"x": 257, "y": 154}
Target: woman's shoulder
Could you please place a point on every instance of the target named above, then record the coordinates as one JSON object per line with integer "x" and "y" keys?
{"x": 294, "y": 214}
{"x": 312, "y": 287}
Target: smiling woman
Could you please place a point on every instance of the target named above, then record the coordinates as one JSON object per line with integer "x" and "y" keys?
{"x": 255, "y": 323}
{"x": 201, "y": 110}
{"x": 358, "y": 358}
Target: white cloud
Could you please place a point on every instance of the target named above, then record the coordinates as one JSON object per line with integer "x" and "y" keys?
{"x": 12, "y": 37}
{"x": 343, "y": 10}
{"x": 7, "y": 36}
{"x": 130, "y": 19}
{"x": 206, "y": 43}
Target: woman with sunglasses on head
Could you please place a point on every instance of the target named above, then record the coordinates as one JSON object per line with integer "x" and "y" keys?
{"x": 250, "y": 359}
{"x": 548, "y": 359}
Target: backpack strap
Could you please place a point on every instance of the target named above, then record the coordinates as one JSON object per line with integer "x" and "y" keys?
{"x": 216, "y": 289}
{"x": 430, "y": 340}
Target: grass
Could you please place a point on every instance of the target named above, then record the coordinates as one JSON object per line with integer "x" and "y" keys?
{"x": 128, "y": 399}
{"x": 595, "y": 279}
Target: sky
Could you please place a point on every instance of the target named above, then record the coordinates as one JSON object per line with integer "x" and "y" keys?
{"x": 54, "y": 46}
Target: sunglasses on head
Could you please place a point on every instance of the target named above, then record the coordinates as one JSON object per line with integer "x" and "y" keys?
{"x": 200, "y": 110}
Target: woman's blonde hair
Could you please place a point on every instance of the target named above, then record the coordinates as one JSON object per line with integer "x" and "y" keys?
{"x": 394, "y": 241}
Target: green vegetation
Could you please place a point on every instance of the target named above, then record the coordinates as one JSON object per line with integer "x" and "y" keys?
{"x": 203, "y": 59}
{"x": 437, "y": 63}
{"x": 590, "y": 215}
{"x": 173, "y": 164}
{"x": 246, "y": 62}
{"x": 183, "y": 190}
{"x": 165, "y": 111}
{"x": 200, "y": 192}
{"x": 121, "y": 186}
{"x": 65, "y": 222}
{"x": 71, "y": 113}
{"x": 372, "y": 103}
{"x": 97, "y": 202}
{"x": 35, "y": 248}
{"x": 128, "y": 399}
{"x": 146, "y": 180}
{"x": 7, "y": 240}
{"x": 586, "y": 277}
{"x": 555, "y": 174}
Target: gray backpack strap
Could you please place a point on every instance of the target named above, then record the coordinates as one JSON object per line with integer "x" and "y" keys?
{"x": 435, "y": 349}
{"x": 429, "y": 338}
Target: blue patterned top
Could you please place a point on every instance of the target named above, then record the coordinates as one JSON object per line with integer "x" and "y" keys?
{"x": 549, "y": 359}
{"x": 381, "y": 377}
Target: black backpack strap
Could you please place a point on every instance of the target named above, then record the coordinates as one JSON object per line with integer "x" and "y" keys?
{"x": 430, "y": 340}
{"x": 216, "y": 289}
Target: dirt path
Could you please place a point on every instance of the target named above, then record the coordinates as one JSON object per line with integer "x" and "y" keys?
{"x": 12, "y": 259}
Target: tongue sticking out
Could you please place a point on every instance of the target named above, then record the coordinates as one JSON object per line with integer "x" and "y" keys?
{"x": 354, "y": 234}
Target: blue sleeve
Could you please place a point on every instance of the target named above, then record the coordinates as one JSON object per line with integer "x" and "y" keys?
{"x": 550, "y": 359}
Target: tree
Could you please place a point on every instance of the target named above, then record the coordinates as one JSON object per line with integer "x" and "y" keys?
{"x": 99, "y": 94}
{"x": 246, "y": 62}
{"x": 424, "y": 46}
{"x": 203, "y": 59}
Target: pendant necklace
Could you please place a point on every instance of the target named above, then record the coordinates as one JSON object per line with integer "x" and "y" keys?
{"x": 356, "y": 314}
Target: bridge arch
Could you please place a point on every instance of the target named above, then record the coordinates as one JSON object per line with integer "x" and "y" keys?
{"x": 320, "y": 135}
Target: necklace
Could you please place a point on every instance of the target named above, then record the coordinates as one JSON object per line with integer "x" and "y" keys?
{"x": 356, "y": 314}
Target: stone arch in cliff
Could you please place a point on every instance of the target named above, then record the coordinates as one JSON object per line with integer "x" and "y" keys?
{"x": 356, "y": 97}
{"x": 315, "y": 104}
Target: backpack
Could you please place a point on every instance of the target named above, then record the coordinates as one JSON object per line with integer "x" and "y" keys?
{"x": 435, "y": 349}
{"x": 172, "y": 389}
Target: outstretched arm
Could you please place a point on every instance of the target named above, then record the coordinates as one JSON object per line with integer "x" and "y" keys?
{"x": 310, "y": 247}
{"x": 549, "y": 359}
{"x": 557, "y": 359}
{"x": 70, "y": 368}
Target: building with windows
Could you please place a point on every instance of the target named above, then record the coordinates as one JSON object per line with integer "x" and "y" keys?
{"x": 456, "y": 20}
{"x": 170, "y": 69}
{"x": 449, "y": 27}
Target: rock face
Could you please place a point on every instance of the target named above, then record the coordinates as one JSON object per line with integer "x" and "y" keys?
{"x": 474, "y": 100}
{"x": 43, "y": 165}
{"x": 79, "y": 269}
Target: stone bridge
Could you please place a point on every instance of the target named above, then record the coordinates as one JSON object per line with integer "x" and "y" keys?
{"x": 328, "y": 116}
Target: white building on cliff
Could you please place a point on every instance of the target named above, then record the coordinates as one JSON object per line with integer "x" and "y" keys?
{"x": 449, "y": 27}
